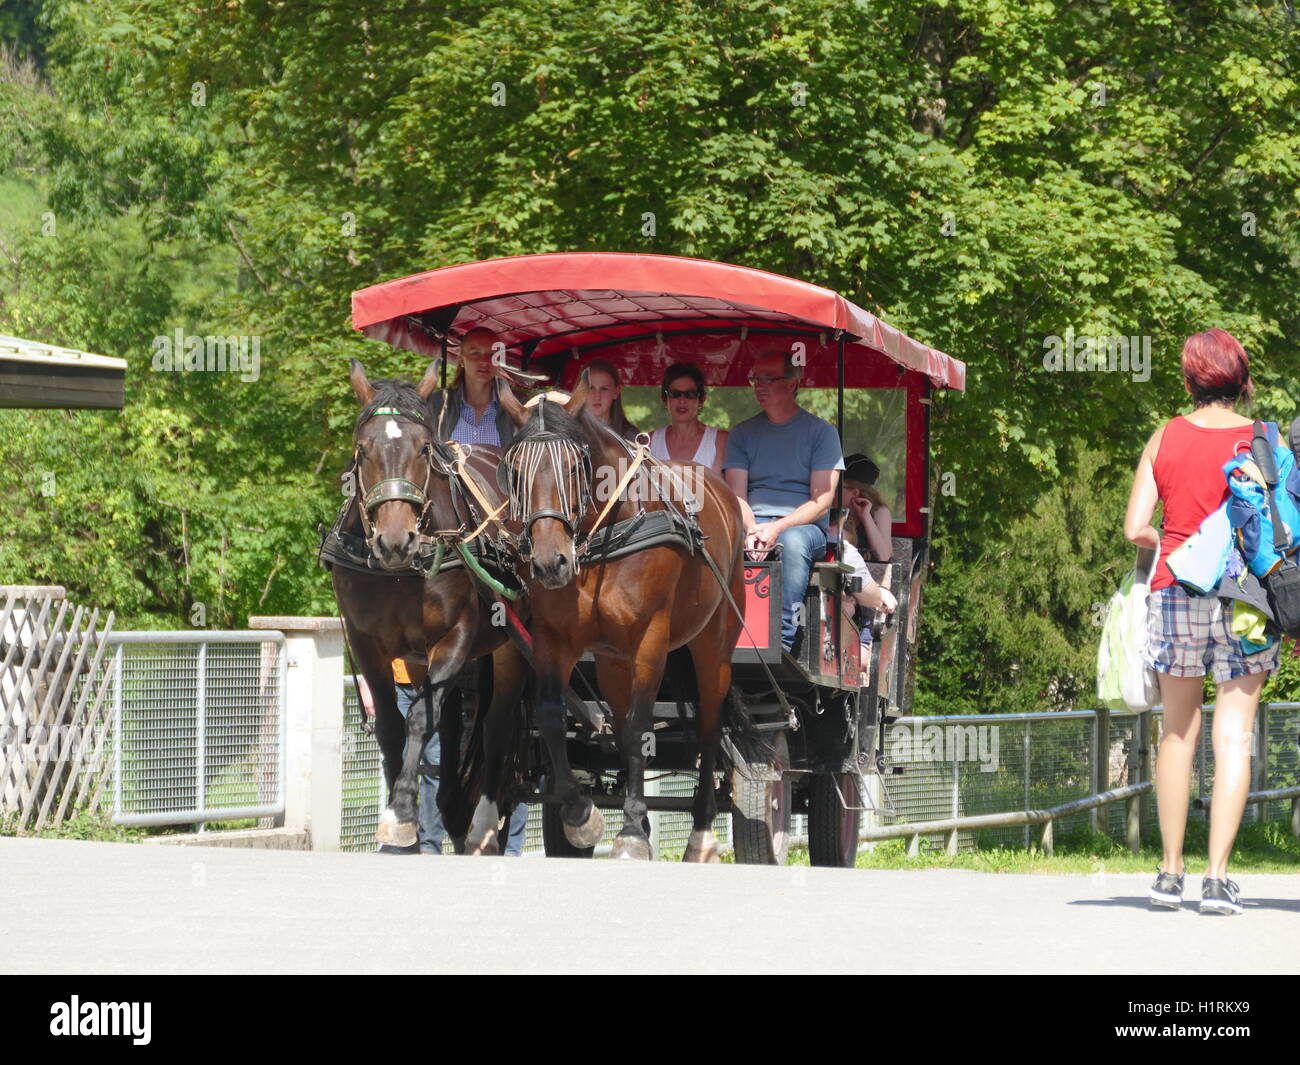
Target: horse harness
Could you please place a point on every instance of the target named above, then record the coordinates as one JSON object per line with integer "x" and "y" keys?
{"x": 469, "y": 548}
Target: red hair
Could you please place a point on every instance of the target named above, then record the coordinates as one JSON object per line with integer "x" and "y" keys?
{"x": 1216, "y": 367}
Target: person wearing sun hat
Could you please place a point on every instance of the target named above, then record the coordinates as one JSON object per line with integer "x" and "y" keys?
{"x": 867, "y": 509}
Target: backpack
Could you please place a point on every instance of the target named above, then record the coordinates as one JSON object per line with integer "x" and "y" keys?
{"x": 1253, "y": 502}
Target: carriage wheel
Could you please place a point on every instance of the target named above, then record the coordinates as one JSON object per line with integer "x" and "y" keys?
{"x": 760, "y": 818}
{"x": 554, "y": 842}
{"x": 833, "y": 830}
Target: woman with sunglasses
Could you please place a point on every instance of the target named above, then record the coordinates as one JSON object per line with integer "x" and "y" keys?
{"x": 685, "y": 438}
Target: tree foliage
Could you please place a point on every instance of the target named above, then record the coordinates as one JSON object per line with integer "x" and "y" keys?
{"x": 985, "y": 174}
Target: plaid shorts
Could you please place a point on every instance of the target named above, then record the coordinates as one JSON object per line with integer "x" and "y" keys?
{"x": 1188, "y": 636}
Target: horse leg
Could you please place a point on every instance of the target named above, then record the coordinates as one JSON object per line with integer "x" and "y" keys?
{"x": 711, "y": 656}
{"x": 501, "y": 729}
{"x": 390, "y": 728}
{"x": 633, "y": 687}
{"x": 583, "y": 824}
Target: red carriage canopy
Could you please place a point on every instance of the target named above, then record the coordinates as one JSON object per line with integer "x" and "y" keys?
{"x": 643, "y": 312}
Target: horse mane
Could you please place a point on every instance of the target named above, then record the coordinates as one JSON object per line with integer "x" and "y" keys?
{"x": 396, "y": 392}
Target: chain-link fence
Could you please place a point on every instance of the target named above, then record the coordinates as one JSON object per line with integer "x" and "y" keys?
{"x": 198, "y": 726}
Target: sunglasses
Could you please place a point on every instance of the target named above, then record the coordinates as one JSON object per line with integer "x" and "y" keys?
{"x": 682, "y": 393}
{"x": 754, "y": 380}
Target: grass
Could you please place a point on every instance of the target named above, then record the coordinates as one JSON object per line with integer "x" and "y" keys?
{"x": 92, "y": 826}
{"x": 1260, "y": 848}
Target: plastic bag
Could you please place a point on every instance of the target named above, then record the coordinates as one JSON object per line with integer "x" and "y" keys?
{"x": 1124, "y": 681}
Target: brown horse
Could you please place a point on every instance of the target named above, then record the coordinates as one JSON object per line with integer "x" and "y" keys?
{"x": 630, "y": 612}
{"x": 402, "y": 487}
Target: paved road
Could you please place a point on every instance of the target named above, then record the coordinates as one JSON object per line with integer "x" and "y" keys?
{"x": 73, "y": 907}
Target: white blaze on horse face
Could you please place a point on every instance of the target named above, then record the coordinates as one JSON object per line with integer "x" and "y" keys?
{"x": 392, "y": 430}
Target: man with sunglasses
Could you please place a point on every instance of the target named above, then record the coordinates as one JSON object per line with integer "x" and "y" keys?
{"x": 781, "y": 464}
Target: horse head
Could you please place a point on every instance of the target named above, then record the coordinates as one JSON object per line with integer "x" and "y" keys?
{"x": 394, "y": 447}
{"x": 547, "y": 473}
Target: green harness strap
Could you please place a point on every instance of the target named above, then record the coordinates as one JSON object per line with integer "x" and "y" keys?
{"x": 473, "y": 565}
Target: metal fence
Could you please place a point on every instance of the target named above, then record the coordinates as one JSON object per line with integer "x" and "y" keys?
{"x": 962, "y": 766}
{"x": 198, "y": 726}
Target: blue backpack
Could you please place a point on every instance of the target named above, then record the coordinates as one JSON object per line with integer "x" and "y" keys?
{"x": 1263, "y": 509}
{"x": 1254, "y": 481}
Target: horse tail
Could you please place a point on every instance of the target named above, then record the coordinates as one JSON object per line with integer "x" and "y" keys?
{"x": 746, "y": 744}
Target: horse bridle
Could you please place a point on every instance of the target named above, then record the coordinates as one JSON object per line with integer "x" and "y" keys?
{"x": 532, "y": 451}
{"x": 393, "y": 488}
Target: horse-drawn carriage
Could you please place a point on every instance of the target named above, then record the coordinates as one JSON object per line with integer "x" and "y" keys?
{"x": 821, "y": 728}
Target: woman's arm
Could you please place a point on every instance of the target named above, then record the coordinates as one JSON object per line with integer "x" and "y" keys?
{"x": 879, "y": 528}
{"x": 719, "y": 451}
{"x": 1143, "y": 497}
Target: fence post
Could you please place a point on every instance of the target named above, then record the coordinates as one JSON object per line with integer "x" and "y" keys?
{"x": 1259, "y": 774}
{"x": 1295, "y": 817}
{"x": 1146, "y": 723}
{"x": 1097, "y": 817}
{"x": 313, "y": 726}
{"x": 201, "y": 734}
{"x": 1026, "y": 764}
{"x": 116, "y": 734}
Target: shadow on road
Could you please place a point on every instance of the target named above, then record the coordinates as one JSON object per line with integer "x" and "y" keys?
{"x": 1140, "y": 902}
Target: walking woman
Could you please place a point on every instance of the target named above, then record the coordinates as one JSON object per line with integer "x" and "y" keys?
{"x": 1182, "y": 467}
{"x": 685, "y": 437}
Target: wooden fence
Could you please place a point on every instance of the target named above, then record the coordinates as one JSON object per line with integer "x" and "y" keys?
{"x": 54, "y": 724}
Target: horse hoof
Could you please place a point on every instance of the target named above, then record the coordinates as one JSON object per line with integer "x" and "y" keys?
{"x": 636, "y": 848}
{"x": 486, "y": 847}
{"x": 396, "y": 833}
{"x": 702, "y": 847}
{"x": 589, "y": 832}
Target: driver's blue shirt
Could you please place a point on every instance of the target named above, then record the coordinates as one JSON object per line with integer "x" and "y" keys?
{"x": 469, "y": 430}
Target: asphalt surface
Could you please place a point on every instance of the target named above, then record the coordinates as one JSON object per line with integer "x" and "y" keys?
{"x": 76, "y": 907}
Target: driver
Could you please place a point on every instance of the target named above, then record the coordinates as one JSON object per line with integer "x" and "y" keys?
{"x": 473, "y": 413}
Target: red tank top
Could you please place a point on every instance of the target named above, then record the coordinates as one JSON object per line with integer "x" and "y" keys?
{"x": 1189, "y": 477}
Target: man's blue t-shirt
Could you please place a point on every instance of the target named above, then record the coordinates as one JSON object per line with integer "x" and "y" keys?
{"x": 780, "y": 460}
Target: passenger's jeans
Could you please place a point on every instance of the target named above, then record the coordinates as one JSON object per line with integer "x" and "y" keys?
{"x": 432, "y": 832}
{"x": 801, "y": 545}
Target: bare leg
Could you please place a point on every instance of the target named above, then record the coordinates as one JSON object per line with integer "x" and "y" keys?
{"x": 1181, "y": 697}
{"x": 1234, "y": 724}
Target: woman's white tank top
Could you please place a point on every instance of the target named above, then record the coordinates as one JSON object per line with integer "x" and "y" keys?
{"x": 704, "y": 454}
